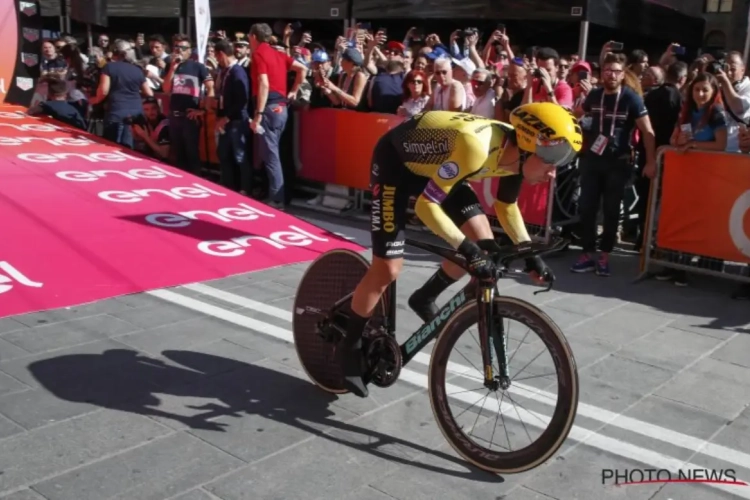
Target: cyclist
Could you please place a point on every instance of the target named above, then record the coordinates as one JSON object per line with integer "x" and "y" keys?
{"x": 432, "y": 155}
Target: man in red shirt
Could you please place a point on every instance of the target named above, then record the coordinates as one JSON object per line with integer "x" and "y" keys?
{"x": 546, "y": 86}
{"x": 268, "y": 71}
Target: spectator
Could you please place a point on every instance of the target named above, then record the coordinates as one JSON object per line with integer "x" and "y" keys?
{"x": 449, "y": 94}
{"x": 151, "y": 134}
{"x": 158, "y": 48}
{"x": 420, "y": 63}
{"x": 352, "y": 80}
{"x": 183, "y": 83}
{"x": 515, "y": 89}
{"x": 546, "y": 86}
{"x": 462, "y": 71}
{"x": 269, "y": 77}
{"x": 386, "y": 88}
{"x": 103, "y": 41}
{"x": 563, "y": 69}
{"x": 663, "y": 104}
{"x": 414, "y": 95}
{"x": 321, "y": 70}
{"x": 702, "y": 123}
{"x": 51, "y": 62}
{"x": 233, "y": 94}
{"x": 57, "y": 106}
{"x": 241, "y": 50}
{"x": 652, "y": 78}
{"x": 580, "y": 81}
{"x": 485, "y": 103}
{"x": 613, "y": 111}
{"x": 638, "y": 62}
{"x": 75, "y": 77}
{"x": 735, "y": 94}
{"x": 121, "y": 83}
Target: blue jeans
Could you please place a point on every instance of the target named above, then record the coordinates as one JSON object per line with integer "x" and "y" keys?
{"x": 273, "y": 121}
{"x": 118, "y": 132}
{"x": 184, "y": 138}
{"x": 232, "y": 152}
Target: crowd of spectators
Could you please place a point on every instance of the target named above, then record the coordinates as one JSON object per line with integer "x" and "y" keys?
{"x": 627, "y": 105}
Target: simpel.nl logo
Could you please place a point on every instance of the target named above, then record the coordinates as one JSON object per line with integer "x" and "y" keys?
{"x": 631, "y": 477}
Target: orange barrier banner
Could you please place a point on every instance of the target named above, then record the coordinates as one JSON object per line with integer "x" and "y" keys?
{"x": 705, "y": 205}
{"x": 335, "y": 145}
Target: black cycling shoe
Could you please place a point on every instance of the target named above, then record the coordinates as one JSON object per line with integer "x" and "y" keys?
{"x": 351, "y": 359}
{"x": 425, "y": 308}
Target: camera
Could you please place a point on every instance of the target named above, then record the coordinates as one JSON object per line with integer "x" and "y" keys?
{"x": 470, "y": 31}
{"x": 714, "y": 67}
{"x": 537, "y": 73}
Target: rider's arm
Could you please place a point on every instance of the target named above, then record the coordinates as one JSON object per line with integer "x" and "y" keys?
{"x": 467, "y": 159}
{"x": 510, "y": 218}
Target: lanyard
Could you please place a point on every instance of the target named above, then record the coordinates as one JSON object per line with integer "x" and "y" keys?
{"x": 223, "y": 78}
{"x": 614, "y": 114}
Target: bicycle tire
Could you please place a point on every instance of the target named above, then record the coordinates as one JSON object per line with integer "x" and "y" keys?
{"x": 552, "y": 438}
{"x": 330, "y": 277}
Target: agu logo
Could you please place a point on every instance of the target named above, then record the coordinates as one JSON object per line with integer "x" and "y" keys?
{"x": 740, "y": 236}
{"x": 448, "y": 171}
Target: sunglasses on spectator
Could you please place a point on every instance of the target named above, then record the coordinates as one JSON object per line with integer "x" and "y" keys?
{"x": 183, "y": 47}
{"x": 474, "y": 81}
{"x": 417, "y": 82}
{"x": 565, "y": 66}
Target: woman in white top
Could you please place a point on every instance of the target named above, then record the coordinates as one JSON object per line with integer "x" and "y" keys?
{"x": 416, "y": 94}
{"x": 449, "y": 94}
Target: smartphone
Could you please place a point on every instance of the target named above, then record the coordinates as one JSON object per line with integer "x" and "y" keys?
{"x": 687, "y": 128}
{"x": 616, "y": 46}
{"x": 680, "y": 51}
{"x": 384, "y": 31}
{"x": 365, "y": 26}
{"x": 501, "y": 28}
{"x": 583, "y": 75}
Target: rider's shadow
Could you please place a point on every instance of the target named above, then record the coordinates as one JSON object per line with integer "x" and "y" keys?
{"x": 126, "y": 380}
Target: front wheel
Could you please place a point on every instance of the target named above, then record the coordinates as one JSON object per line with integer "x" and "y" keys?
{"x": 540, "y": 401}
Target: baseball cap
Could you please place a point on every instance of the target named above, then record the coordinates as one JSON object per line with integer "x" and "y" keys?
{"x": 465, "y": 64}
{"x": 395, "y": 46}
{"x": 320, "y": 56}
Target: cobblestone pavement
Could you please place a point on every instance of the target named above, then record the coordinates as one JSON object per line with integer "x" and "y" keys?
{"x": 195, "y": 393}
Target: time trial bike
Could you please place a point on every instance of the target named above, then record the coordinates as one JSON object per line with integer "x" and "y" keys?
{"x": 319, "y": 323}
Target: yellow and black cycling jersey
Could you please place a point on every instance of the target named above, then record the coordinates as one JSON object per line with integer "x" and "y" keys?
{"x": 449, "y": 148}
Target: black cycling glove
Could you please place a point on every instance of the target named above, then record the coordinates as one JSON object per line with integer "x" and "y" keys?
{"x": 478, "y": 263}
{"x": 537, "y": 265}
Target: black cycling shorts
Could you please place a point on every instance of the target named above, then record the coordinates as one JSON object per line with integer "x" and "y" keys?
{"x": 392, "y": 184}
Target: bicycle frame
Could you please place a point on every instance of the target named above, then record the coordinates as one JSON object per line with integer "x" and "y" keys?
{"x": 483, "y": 294}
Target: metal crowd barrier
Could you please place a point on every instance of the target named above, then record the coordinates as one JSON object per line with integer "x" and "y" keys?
{"x": 698, "y": 218}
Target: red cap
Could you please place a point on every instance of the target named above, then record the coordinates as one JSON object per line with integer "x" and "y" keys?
{"x": 580, "y": 66}
{"x": 395, "y": 46}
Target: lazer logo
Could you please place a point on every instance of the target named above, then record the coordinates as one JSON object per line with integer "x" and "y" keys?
{"x": 381, "y": 214}
{"x": 416, "y": 340}
{"x": 535, "y": 123}
{"x": 12, "y": 275}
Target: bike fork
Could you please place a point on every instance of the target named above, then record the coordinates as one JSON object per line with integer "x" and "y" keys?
{"x": 492, "y": 340}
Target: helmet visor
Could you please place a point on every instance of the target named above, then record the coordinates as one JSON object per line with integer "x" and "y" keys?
{"x": 557, "y": 152}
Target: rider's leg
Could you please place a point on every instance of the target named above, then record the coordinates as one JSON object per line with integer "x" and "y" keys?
{"x": 466, "y": 212}
{"x": 391, "y": 188}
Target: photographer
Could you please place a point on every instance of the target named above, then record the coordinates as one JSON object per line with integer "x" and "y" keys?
{"x": 121, "y": 84}
{"x": 735, "y": 93}
{"x": 151, "y": 131}
{"x": 546, "y": 86}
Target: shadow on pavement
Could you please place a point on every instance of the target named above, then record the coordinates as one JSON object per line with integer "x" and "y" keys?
{"x": 126, "y": 380}
{"x": 706, "y": 297}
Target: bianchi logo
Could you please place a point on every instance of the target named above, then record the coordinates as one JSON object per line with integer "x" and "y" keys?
{"x": 13, "y": 276}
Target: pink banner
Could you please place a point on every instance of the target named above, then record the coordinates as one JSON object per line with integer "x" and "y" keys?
{"x": 84, "y": 220}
